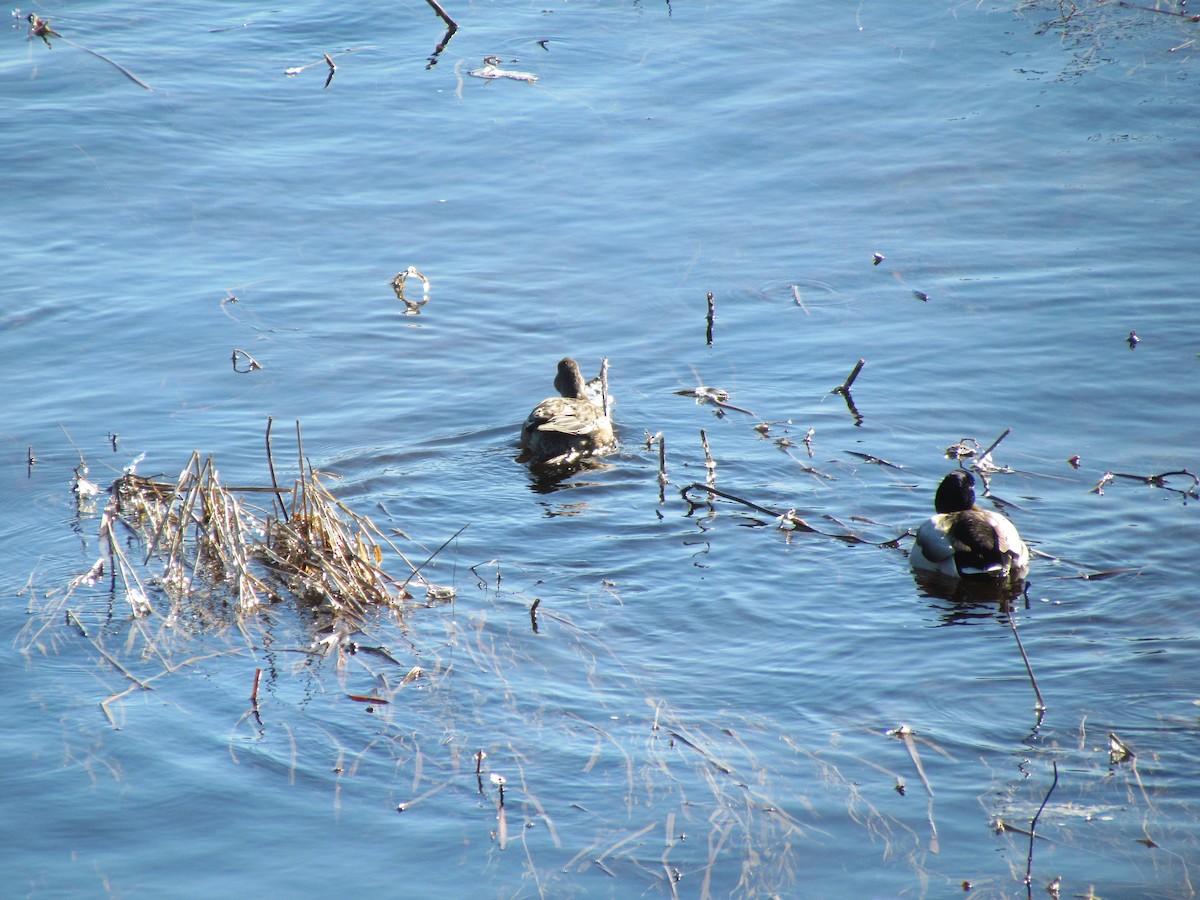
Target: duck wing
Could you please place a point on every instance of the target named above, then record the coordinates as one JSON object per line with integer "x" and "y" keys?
{"x": 986, "y": 543}
{"x": 564, "y": 416}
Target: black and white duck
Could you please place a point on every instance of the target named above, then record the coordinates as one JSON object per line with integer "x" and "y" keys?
{"x": 965, "y": 541}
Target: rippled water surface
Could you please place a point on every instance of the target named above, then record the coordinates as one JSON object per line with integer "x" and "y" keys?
{"x": 700, "y": 702}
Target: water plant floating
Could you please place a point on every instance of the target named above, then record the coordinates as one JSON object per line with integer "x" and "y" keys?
{"x": 325, "y": 58}
{"x": 1158, "y": 481}
{"x": 412, "y": 307}
{"x": 213, "y": 543}
{"x": 40, "y": 28}
{"x": 491, "y": 70}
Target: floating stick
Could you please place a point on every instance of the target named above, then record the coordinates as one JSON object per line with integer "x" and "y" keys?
{"x": 1040, "y": 706}
{"x": 1033, "y": 826}
{"x": 271, "y": 467}
{"x": 879, "y": 461}
{"x": 1188, "y": 17}
{"x": 799, "y": 302}
{"x": 429, "y": 558}
{"x": 994, "y": 444}
{"x": 710, "y": 464}
{"x": 39, "y": 27}
{"x": 254, "y": 690}
{"x": 444, "y": 16}
{"x": 711, "y": 314}
{"x": 252, "y": 364}
{"x": 663, "y": 480}
{"x": 844, "y": 388}
{"x": 71, "y": 616}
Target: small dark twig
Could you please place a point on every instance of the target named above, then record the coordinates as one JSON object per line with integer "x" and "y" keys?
{"x": 39, "y": 27}
{"x": 1040, "y": 706}
{"x": 844, "y": 387}
{"x": 710, "y": 464}
{"x": 712, "y": 308}
{"x": 1033, "y": 828}
{"x": 252, "y": 363}
{"x": 663, "y": 480}
{"x": 451, "y": 25}
{"x": 429, "y": 558}
{"x": 867, "y": 457}
{"x": 1188, "y": 17}
{"x": 271, "y": 467}
{"x": 995, "y": 444}
{"x": 789, "y": 519}
{"x": 844, "y": 390}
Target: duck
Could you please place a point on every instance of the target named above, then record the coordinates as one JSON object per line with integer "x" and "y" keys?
{"x": 572, "y": 425}
{"x": 965, "y": 541}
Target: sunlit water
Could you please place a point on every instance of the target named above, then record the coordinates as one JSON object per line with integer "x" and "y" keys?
{"x": 704, "y": 706}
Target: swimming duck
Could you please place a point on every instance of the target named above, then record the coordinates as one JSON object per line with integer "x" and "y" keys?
{"x": 965, "y": 541}
{"x": 574, "y": 424}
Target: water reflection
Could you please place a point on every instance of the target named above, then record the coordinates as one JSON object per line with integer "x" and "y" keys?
{"x": 549, "y": 478}
{"x": 970, "y": 600}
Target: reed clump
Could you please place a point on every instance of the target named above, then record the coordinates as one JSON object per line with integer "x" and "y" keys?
{"x": 211, "y": 543}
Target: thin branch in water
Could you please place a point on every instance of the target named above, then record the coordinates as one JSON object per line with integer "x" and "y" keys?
{"x": 844, "y": 390}
{"x": 271, "y": 467}
{"x": 431, "y": 556}
{"x": 905, "y": 734}
{"x": 663, "y": 480}
{"x": 799, "y": 302}
{"x": 1040, "y": 706}
{"x": 844, "y": 387}
{"x": 444, "y": 16}
{"x": 715, "y": 396}
{"x": 786, "y": 520}
{"x": 710, "y": 464}
{"x": 39, "y": 27}
{"x": 1187, "y": 17}
{"x": 251, "y": 365}
{"x": 875, "y": 460}
{"x": 983, "y": 462}
{"x": 1033, "y": 828}
{"x": 712, "y": 309}
{"x": 109, "y": 658}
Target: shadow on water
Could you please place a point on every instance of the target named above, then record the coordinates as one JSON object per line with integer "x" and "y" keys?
{"x": 548, "y": 478}
{"x": 963, "y": 602}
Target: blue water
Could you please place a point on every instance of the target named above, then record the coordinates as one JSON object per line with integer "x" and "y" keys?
{"x": 704, "y": 707}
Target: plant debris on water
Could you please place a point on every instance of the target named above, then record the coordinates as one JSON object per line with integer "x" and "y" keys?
{"x": 212, "y": 548}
